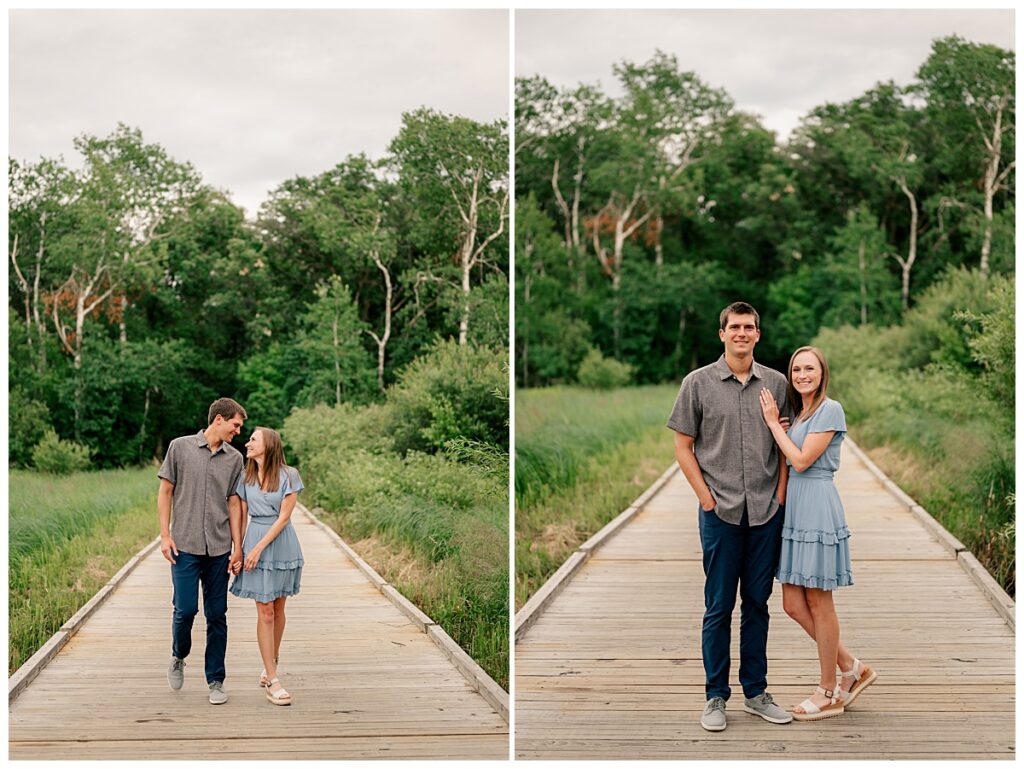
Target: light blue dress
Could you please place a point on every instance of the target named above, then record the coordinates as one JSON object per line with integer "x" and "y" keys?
{"x": 815, "y": 538}
{"x": 279, "y": 569}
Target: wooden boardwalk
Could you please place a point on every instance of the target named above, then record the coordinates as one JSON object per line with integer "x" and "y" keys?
{"x": 366, "y": 681}
{"x": 611, "y": 669}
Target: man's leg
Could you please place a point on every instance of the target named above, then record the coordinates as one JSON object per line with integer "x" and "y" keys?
{"x": 722, "y": 546}
{"x": 185, "y": 578}
{"x": 760, "y": 561}
{"x": 215, "y": 608}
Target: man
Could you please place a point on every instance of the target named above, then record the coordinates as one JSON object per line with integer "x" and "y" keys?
{"x": 204, "y": 543}
{"x": 729, "y": 457}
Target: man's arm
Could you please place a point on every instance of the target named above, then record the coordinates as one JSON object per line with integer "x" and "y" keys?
{"x": 235, "y": 522}
{"x": 691, "y": 469}
{"x": 164, "y": 499}
{"x": 780, "y": 489}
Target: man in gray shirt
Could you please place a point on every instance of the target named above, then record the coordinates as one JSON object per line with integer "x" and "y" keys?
{"x": 204, "y": 541}
{"x": 730, "y": 459}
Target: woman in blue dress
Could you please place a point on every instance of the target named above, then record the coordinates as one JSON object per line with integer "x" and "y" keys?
{"x": 272, "y": 566}
{"x": 815, "y": 558}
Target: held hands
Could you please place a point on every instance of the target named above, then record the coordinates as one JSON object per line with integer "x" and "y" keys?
{"x": 167, "y": 547}
{"x": 235, "y": 564}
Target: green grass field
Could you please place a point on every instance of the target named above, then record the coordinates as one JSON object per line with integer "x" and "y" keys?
{"x": 68, "y": 537}
{"x": 581, "y": 457}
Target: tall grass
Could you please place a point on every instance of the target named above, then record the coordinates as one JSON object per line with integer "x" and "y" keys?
{"x": 581, "y": 457}
{"x": 433, "y": 525}
{"x": 68, "y": 536}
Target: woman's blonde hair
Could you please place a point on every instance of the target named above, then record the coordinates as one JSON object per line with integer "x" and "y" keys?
{"x": 794, "y": 397}
{"x": 273, "y": 462}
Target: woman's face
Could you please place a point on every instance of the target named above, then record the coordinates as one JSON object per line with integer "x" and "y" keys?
{"x": 254, "y": 448}
{"x": 806, "y": 373}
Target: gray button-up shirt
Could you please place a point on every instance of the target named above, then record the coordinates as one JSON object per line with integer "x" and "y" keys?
{"x": 733, "y": 445}
{"x": 203, "y": 481}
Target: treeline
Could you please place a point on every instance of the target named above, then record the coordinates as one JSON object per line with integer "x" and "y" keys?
{"x": 640, "y": 216}
{"x": 138, "y": 293}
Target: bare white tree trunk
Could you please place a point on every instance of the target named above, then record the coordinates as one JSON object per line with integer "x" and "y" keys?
{"x": 993, "y": 180}
{"x": 907, "y": 264}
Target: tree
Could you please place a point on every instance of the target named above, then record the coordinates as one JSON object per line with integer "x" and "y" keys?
{"x": 457, "y": 172}
{"x": 969, "y": 90}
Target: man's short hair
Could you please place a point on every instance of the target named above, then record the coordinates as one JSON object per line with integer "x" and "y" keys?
{"x": 226, "y": 408}
{"x": 738, "y": 308}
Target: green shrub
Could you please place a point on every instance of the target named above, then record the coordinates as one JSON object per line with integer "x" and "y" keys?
{"x": 451, "y": 392}
{"x": 29, "y": 420}
{"x": 53, "y": 455}
{"x": 600, "y": 373}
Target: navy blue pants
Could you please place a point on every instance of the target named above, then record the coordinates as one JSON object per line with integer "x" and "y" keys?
{"x": 210, "y": 571}
{"x": 747, "y": 557}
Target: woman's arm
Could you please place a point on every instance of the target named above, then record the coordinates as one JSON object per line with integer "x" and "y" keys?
{"x": 814, "y": 445}
{"x": 287, "y": 506}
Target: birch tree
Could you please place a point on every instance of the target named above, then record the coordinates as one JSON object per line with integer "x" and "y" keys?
{"x": 457, "y": 172}
{"x": 970, "y": 93}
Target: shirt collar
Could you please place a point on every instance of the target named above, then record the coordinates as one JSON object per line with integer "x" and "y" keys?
{"x": 205, "y": 444}
{"x": 724, "y": 372}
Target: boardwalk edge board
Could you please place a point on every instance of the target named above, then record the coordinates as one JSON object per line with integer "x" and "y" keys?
{"x": 482, "y": 683}
{"x": 24, "y": 675}
{"x": 533, "y": 608}
{"x": 999, "y": 598}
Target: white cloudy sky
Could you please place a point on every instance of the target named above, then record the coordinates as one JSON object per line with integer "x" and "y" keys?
{"x": 779, "y": 64}
{"x": 250, "y": 97}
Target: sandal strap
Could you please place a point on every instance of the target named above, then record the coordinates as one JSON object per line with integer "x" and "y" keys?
{"x": 853, "y": 672}
{"x": 830, "y": 693}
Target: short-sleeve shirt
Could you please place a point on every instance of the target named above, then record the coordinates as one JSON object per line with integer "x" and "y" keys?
{"x": 203, "y": 481}
{"x": 267, "y": 504}
{"x": 829, "y": 416}
{"x": 735, "y": 449}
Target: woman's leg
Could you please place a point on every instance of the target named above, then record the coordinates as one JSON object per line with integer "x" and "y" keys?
{"x": 278, "y": 626}
{"x": 794, "y": 601}
{"x": 265, "y": 636}
{"x": 826, "y": 635}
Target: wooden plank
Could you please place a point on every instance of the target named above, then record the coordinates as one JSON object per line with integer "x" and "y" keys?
{"x": 366, "y": 680}
{"x": 533, "y": 608}
{"x": 612, "y": 668}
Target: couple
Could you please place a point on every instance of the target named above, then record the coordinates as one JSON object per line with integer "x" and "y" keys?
{"x": 208, "y": 491}
{"x": 761, "y": 518}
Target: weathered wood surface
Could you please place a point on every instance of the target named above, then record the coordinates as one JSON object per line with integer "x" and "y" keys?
{"x": 612, "y": 667}
{"x": 366, "y": 681}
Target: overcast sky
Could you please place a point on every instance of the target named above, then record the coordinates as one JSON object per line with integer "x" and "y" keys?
{"x": 778, "y": 64}
{"x": 250, "y": 98}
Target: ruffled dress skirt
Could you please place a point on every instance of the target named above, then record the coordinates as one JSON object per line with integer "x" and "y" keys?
{"x": 279, "y": 570}
{"x": 815, "y": 538}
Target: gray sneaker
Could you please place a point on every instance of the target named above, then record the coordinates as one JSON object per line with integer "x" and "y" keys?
{"x": 763, "y": 705}
{"x": 714, "y": 715}
{"x": 176, "y": 673}
{"x": 217, "y": 694}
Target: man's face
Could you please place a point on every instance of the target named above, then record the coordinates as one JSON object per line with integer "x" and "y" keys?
{"x": 740, "y": 335}
{"x": 227, "y": 428}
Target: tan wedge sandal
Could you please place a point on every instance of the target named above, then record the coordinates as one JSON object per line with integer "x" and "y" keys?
{"x": 280, "y": 697}
{"x": 263, "y": 674}
{"x": 861, "y": 681}
{"x": 813, "y": 712}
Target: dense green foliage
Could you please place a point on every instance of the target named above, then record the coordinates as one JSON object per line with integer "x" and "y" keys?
{"x": 68, "y": 536}
{"x": 640, "y": 216}
{"x": 581, "y": 457}
{"x": 138, "y": 293}
{"x": 935, "y": 394}
{"x": 436, "y": 489}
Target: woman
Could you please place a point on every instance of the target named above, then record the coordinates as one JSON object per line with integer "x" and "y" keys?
{"x": 815, "y": 556}
{"x": 272, "y": 567}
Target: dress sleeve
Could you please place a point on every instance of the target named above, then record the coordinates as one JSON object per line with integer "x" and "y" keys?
{"x": 292, "y": 482}
{"x": 830, "y": 416}
{"x": 240, "y": 487}
{"x": 686, "y": 413}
